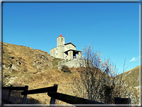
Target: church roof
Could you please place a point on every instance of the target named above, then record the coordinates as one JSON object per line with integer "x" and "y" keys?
{"x": 76, "y": 51}
{"x": 70, "y": 43}
{"x": 60, "y": 35}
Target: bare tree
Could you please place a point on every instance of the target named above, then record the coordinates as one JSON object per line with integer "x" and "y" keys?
{"x": 98, "y": 80}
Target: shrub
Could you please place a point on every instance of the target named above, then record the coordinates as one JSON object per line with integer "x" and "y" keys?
{"x": 65, "y": 68}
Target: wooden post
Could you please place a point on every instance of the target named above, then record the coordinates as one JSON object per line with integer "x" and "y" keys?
{"x": 9, "y": 92}
{"x": 123, "y": 101}
{"x": 72, "y": 99}
{"x": 52, "y": 101}
{"x": 25, "y": 96}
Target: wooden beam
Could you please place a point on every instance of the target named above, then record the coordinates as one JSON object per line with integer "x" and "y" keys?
{"x": 52, "y": 101}
{"x": 122, "y": 100}
{"x": 71, "y": 99}
{"x": 41, "y": 90}
{"x": 25, "y": 96}
{"x": 9, "y": 93}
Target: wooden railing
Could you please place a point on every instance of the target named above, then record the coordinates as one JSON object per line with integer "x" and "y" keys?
{"x": 52, "y": 92}
{"x": 15, "y": 88}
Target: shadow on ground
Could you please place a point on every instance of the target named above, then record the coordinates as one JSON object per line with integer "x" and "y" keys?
{"x": 16, "y": 98}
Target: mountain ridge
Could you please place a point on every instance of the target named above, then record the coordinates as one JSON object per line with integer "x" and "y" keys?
{"x": 131, "y": 76}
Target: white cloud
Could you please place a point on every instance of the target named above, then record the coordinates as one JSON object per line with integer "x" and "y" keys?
{"x": 133, "y": 59}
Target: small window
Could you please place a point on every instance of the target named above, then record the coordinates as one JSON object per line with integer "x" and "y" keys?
{"x": 62, "y": 40}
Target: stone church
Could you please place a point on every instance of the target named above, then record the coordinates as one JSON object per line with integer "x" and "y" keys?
{"x": 65, "y": 50}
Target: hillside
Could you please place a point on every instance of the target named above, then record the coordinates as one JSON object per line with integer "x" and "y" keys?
{"x": 131, "y": 77}
{"x": 19, "y": 60}
{"x": 26, "y": 66}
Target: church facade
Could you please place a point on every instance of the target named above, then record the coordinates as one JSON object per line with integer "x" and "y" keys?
{"x": 65, "y": 50}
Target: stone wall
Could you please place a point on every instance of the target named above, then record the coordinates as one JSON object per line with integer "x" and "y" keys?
{"x": 74, "y": 63}
{"x": 53, "y": 52}
{"x": 58, "y": 52}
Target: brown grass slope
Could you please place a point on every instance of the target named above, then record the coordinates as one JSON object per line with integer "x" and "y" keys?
{"x": 19, "y": 60}
{"x": 131, "y": 77}
{"x": 37, "y": 69}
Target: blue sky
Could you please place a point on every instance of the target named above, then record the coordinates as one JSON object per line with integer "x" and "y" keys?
{"x": 111, "y": 28}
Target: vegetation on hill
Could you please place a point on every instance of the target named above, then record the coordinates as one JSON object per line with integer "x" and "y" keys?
{"x": 130, "y": 76}
{"x": 99, "y": 82}
{"x": 55, "y": 61}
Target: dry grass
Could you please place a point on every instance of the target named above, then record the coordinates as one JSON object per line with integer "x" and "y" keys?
{"x": 23, "y": 58}
{"x": 48, "y": 79}
{"x": 67, "y": 84}
{"x": 131, "y": 77}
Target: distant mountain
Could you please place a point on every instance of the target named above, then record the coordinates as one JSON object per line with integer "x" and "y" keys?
{"x": 131, "y": 77}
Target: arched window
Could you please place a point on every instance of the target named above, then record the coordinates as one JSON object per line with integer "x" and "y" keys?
{"x": 61, "y": 39}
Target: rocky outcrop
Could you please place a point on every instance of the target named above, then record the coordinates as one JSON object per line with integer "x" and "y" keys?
{"x": 41, "y": 61}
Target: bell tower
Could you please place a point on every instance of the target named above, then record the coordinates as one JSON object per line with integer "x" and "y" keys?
{"x": 60, "y": 40}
